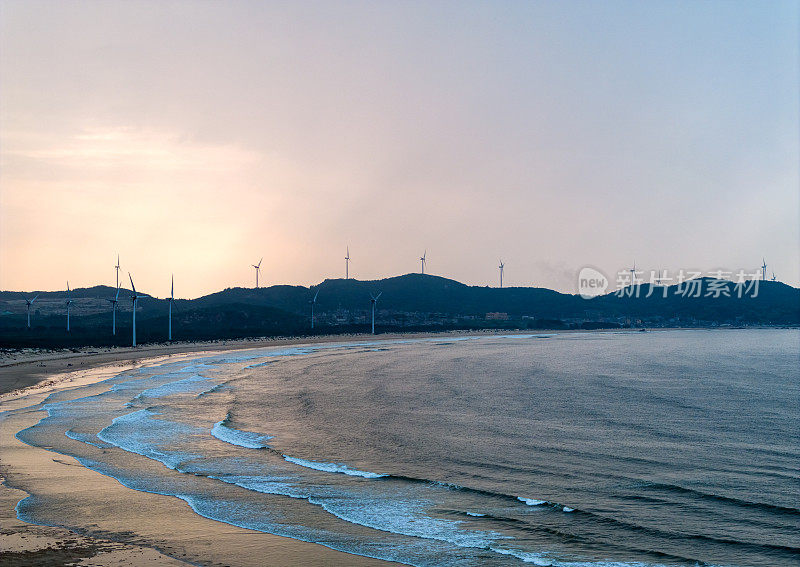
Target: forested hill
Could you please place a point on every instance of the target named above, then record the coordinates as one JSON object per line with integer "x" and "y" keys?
{"x": 408, "y": 302}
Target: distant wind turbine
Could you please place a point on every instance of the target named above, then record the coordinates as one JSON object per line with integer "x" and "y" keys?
{"x": 374, "y": 300}
{"x": 501, "y": 266}
{"x": 422, "y": 261}
{"x": 134, "y": 299}
{"x": 171, "y": 300}
{"x": 773, "y": 276}
{"x": 29, "y": 302}
{"x": 633, "y": 273}
{"x": 313, "y": 303}
{"x": 114, "y": 312}
{"x": 69, "y": 305}
{"x": 347, "y": 265}
{"x": 258, "y": 269}
{"x": 763, "y": 269}
{"x": 117, "y": 268}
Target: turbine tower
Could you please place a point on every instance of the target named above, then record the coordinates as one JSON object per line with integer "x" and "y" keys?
{"x": 763, "y": 269}
{"x": 29, "y": 302}
{"x": 313, "y": 303}
{"x": 347, "y": 265}
{"x": 69, "y": 305}
{"x": 422, "y": 261}
{"x": 134, "y": 299}
{"x": 501, "y": 266}
{"x": 114, "y": 312}
{"x": 171, "y": 300}
{"x": 258, "y": 269}
{"x": 117, "y": 268}
{"x": 374, "y": 300}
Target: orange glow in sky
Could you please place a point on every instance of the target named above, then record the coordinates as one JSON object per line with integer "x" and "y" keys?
{"x": 195, "y": 138}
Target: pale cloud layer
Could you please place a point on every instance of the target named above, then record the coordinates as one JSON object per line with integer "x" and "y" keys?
{"x": 196, "y": 137}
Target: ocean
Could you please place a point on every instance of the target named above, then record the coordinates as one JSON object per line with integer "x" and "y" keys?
{"x": 677, "y": 447}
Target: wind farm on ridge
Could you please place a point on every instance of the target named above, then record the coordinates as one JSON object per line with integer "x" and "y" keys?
{"x": 415, "y": 302}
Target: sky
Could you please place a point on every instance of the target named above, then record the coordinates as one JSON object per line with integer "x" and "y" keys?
{"x": 196, "y": 137}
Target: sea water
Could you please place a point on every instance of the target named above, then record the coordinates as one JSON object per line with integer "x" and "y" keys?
{"x": 601, "y": 449}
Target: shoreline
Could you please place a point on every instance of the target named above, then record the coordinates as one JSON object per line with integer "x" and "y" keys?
{"x": 112, "y": 524}
{"x": 24, "y": 372}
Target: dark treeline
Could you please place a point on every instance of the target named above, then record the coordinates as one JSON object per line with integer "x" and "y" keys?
{"x": 408, "y": 303}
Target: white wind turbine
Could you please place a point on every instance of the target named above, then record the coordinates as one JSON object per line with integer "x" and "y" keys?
{"x": 69, "y": 305}
{"x": 171, "y": 301}
{"x": 313, "y": 303}
{"x": 763, "y": 269}
{"x": 114, "y": 311}
{"x": 347, "y": 265}
{"x": 28, "y": 303}
{"x": 422, "y": 261}
{"x": 374, "y": 300}
{"x": 501, "y": 266}
{"x": 117, "y": 268}
{"x": 258, "y": 269}
{"x": 773, "y": 276}
{"x": 134, "y": 299}
{"x": 633, "y": 273}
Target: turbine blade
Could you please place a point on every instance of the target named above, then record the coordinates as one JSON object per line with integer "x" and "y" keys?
{"x": 315, "y": 296}
{"x": 132, "y": 286}
{"x": 377, "y": 296}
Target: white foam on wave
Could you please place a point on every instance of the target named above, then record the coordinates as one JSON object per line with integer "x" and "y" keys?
{"x": 246, "y": 439}
{"x": 525, "y": 556}
{"x": 191, "y": 385}
{"x": 475, "y": 514}
{"x": 568, "y": 509}
{"x": 332, "y": 467}
{"x": 139, "y": 433}
{"x": 87, "y": 438}
{"x": 531, "y": 501}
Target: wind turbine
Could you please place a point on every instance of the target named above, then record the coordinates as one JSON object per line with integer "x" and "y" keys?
{"x": 134, "y": 299}
{"x": 258, "y": 269}
{"x": 171, "y": 300}
{"x": 501, "y": 266}
{"x": 29, "y": 302}
{"x": 313, "y": 303}
{"x": 422, "y": 261}
{"x": 374, "y": 300}
{"x": 117, "y": 268}
{"x": 773, "y": 276}
{"x": 69, "y": 305}
{"x": 763, "y": 269}
{"x": 347, "y": 265}
{"x": 114, "y": 312}
{"x": 633, "y": 273}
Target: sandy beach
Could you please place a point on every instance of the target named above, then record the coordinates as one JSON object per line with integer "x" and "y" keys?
{"x": 109, "y": 523}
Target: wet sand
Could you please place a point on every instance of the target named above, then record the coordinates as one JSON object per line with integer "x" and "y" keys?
{"x": 110, "y": 524}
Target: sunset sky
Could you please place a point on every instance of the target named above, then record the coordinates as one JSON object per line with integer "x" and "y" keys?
{"x": 196, "y": 137}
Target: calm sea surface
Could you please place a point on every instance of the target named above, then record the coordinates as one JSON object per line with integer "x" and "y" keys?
{"x": 660, "y": 448}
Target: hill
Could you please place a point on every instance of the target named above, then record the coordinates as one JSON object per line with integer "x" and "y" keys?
{"x": 407, "y": 302}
